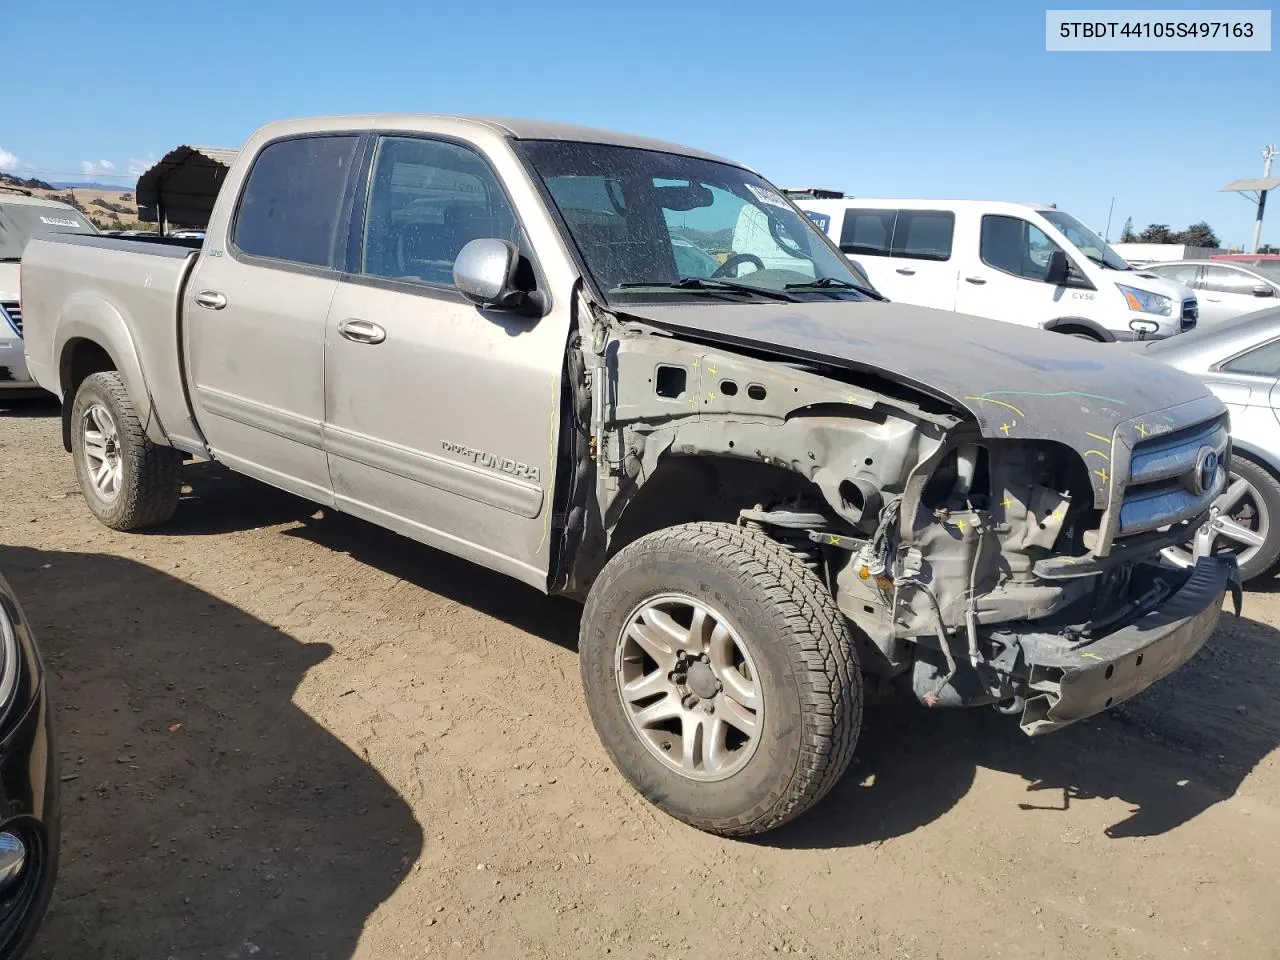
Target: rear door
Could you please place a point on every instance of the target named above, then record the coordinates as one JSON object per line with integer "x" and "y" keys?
{"x": 440, "y": 417}
{"x": 1225, "y": 292}
{"x": 256, "y": 308}
{"x": 907, "y": 253}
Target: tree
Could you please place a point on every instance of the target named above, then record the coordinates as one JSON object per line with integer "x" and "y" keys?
{"x": 1157, "y": 233}
{"x": 1127, "y": 235}
{"x": 1198, "y": 235}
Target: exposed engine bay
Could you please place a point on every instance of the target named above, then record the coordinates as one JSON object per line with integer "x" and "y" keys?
{"x": 976, "y": 563}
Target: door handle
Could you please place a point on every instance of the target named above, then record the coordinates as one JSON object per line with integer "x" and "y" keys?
{"x": 362, "y": 331}
{"x": 1214, "y": 299}
{"x": 210, "y": 300}
{"x": 906, "y": 271}
{"x": 979, "y": 281}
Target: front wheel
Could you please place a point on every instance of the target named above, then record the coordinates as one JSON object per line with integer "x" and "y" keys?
{"x": 720, "y": 677}
{"x": 127, "y": 481}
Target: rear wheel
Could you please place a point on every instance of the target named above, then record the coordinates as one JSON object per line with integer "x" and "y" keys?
{"x": 127, "y": 481}
{"x": 720, "y": 677}
{"x": 1246, "y": 521}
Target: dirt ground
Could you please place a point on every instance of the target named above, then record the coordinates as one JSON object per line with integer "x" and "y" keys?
{"x": 288, "y": 734}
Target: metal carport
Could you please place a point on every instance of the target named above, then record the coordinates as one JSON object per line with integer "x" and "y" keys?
{"x": 181, "y": 187}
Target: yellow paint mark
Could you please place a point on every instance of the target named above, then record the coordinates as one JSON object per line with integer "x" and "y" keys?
{"x": 1007, "y": 502}
{"x": 1142, "y": 429}
{"x": 833, "y": 540}
{"x": 960, "y": 525}
{"x": 711, "y": 398}
{"x": 1092, "y": 656}
{"x": 851, "y": 399}
{"x": 711, "y": 370}
{"x": 1098, "y": 453}
{"x": 1099, "y": 437}
{"x": 1000, "y": 402}
{"x": 1102, "y": 473}
{"x": 1004, "y": 428}
{"x": 697, "y": 362}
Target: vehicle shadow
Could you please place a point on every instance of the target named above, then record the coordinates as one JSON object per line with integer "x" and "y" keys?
{"x": 204, "y": 814}
{"x": 1169, "y": 754}
{"x": 44, "y": 405}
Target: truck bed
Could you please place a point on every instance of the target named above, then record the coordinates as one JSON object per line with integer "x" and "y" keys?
{"x": 80, "y": 284}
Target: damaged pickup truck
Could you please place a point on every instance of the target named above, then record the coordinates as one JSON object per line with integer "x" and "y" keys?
{"x": 637, "y": 375}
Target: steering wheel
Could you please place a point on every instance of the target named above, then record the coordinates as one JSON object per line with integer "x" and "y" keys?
{"x": 736, "y": 260}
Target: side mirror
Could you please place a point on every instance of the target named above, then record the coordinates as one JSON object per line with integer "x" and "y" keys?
{"x": 1264, "y": 290}
{"x": 485, "y": 273}
{"x": 1058, "y": 270}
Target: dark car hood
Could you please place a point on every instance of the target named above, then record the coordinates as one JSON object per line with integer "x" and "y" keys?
{"x": 1017, "y": 382}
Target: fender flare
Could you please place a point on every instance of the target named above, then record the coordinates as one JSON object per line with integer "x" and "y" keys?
{"x": 1256, "y": 454}
{"x": 1091, "y": 325}
{"x": 88, "y": 316}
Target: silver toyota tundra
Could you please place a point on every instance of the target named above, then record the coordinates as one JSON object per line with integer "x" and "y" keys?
{"x": 636, "y": 374}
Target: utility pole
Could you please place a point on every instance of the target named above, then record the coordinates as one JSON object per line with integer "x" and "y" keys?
{"x": 1268, "y": 154}
{"x": 1247, "y": 188}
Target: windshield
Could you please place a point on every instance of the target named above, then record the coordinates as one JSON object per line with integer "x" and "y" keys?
{"x": 652, "y": 225}
{"x": 1085, "y": 240}
{"x": 19, "y": 222}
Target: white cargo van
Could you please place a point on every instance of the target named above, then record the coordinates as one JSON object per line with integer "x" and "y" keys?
{"x": 1021, "y": 263}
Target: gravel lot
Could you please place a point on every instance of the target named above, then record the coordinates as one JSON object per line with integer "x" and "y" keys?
{"x": 288, "y": 734}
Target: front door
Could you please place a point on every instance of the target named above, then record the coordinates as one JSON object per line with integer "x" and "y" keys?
{"x": 256, "y": 308}
{"x": 441, "y": 418}
{"x": 1008, "y": 281}
{"x": 1225, "y": 292}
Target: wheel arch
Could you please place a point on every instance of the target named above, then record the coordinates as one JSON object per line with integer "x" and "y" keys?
{"x": 1068, "y": 325}
{"x": 90, "y": 333}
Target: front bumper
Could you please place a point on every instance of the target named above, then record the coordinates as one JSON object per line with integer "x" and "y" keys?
{"x": 1074, "y": 681}
{"x": 13, "y": 363}
{"x": 29, "y": 810}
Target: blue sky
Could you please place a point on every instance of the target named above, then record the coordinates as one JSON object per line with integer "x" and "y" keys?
{"x": 925, "y": 99}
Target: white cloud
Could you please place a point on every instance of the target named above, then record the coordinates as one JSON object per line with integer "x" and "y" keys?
{"x": 7, "y": 160}
{"x": 140, "y": 165}
{"x": 91, "y": 169}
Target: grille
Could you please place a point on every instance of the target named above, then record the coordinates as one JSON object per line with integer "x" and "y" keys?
{"x": 1162, "y": 484}
{"x": 13, "y": 310}
{"x": 1190, "y": 314}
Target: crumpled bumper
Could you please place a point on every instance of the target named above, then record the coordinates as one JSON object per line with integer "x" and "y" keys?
{"x": 1076, "y": 682}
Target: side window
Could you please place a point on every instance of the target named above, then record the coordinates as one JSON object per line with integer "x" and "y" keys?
{"x": 923, "y": 234}
{"x": 867, "y": 232}
{"x": 427, "y": 200}
{"x": 291, "y": 208}
{"x": 1226, "y": 280}
{"x": 1263, "y": 361}
{"x": 1183, "y": 273}
{"x": 1015, "y": 246}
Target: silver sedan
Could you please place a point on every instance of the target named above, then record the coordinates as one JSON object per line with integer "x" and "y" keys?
{"x": 1239, "y": 360}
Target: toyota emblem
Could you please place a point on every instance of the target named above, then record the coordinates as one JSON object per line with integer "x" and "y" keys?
{"x": 1205, "y": 476}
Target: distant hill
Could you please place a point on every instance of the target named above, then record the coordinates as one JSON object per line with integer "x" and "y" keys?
{"x": 9, "y": 180}
{"x": 88, "y": 185}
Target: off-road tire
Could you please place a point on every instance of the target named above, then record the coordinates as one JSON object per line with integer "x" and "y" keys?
{"x": 150, "y": 482}
{"x": 809, "y": 674}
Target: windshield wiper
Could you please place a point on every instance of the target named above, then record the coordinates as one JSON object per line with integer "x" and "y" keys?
{"x": 832, "y": 283}
{"x": 711, "y": 286}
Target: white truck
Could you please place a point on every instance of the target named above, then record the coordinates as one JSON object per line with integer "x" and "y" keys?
{"x": 22, "y": 216}
{"x": 1021, "y": 263}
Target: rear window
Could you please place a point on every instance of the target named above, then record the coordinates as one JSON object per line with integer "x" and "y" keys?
{"x": 19, "y": 222}
{"x": 867, "y": 232}
{"x": 919, "y": 234}
{"x": 291, "y": 208}
{"x": 923, "y": 234}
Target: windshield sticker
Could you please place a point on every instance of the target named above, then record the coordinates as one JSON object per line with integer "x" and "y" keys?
{"x": 765, "y": 195}
{"x": 59, "y": 222}
{"x": 821, "y": 219}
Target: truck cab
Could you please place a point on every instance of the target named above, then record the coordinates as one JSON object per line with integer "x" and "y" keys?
{"x": 1029, "y": 264}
